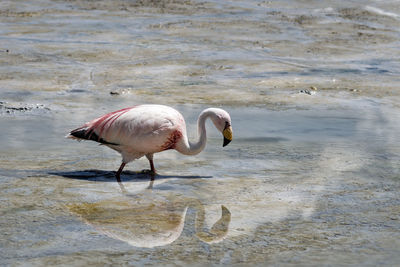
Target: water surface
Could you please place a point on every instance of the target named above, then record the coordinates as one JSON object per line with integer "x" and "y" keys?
{"x": 308, "y": 179}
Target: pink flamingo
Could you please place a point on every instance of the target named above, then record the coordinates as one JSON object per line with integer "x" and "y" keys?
{"x": 147, "y": 129}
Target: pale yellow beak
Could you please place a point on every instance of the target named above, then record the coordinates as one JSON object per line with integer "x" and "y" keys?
{"x": 228, "y": 135}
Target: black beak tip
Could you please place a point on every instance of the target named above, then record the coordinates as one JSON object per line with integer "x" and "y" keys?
{"x": 226, "y": 142}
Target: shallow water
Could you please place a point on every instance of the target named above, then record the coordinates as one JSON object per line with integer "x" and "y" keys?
{"x": 308, "y": 179}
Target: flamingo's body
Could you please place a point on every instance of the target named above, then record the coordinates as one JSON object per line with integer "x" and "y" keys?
{"x": 147, "y": 129}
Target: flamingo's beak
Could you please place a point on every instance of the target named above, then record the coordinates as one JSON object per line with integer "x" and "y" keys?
{"x": 227, "y": 135}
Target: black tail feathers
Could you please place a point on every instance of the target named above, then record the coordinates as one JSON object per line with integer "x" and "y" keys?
{"x": 84, "y": 133}
{"x": 81, "y": 133}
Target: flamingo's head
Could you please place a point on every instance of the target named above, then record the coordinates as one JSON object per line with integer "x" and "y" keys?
{"x": 222, "y": 121}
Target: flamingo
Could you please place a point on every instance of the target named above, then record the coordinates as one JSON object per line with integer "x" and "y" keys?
{"x": 143, "y": 130}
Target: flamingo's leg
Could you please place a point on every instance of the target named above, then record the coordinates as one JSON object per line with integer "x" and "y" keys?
{"x": 118, "y": 174}
{"x": 152, "y": 169}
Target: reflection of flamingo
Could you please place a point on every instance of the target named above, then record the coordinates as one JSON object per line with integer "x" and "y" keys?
{"x": 152, "y": 224}
{"x": 147, "y": 129}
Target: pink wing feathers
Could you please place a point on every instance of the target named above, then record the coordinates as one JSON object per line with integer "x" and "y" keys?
{"x": 144, "y": 128}
{"x": 94, "y": 129}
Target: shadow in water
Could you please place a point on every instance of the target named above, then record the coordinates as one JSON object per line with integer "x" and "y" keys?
{"x": 109, "y": 176}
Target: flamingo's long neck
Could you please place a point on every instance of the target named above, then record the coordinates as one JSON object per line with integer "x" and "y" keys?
{"x": 188, "y": 148}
